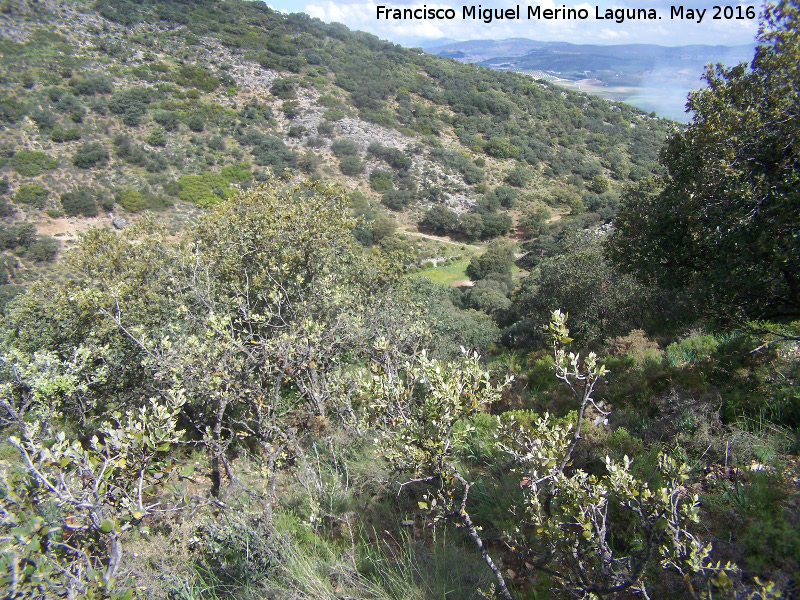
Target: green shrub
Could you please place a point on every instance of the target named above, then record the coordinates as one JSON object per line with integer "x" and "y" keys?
{"x": 351, "y": 165}
{"x": 17, "y": 236}
{"x": 30, "y": 163}
{"x": 131, "y": 98}
{"x": 283, "y": 88}
{"x": 196, "y": 123}
{"x": 691, "y": 350}
{"x": 90, "y": 155}
{"x": 333, "y": 114}
{"x": 396, "y": 199}
{"x": 498, "y": 258}
{"x": 131, "y": 104}
{"x": 205, "y": 189}
{"x": 157, "y": 137}
{"x": 76, "y": 114}
{"x": 89, "y": 86}
{"x": 169, "y": 120}
{"x": 5, "y": 208}
{"x": 394, "y": 157}
{"x": 238, "y": 172}
{"x": 79, "y": 201}
{"x": 105, "y": 202}
{"x": 197, "y": 77}
{"x": 269, "y": 150}
{"x": 309, "y": 161}
{"x": 296, "y": 131}
{"x": 44, "y": 119}
{"x": 380, "y": 181}
{"x": 344, "y": 147}
{"x": 131, "y": 200}
{"x": 11, "y": 110}
{"x": 291, "y": 109}
{"x": 599, "y": 184}
{"x": 65, "y": 135}
{"x": 518, "y": 177}
{"x": 33, "y": 194}
{"x": 156, "y": 201}
{"x": 43, "y": 249}
{"x": 8, "y": 292}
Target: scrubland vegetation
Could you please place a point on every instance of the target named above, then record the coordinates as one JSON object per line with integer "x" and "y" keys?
{"x": 255, "y": 386}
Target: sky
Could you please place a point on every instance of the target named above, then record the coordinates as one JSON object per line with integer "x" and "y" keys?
{"x": 362, "y": 15}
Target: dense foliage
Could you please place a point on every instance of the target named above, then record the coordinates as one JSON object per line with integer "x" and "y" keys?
{"x": 724, "y": 222}
{"x": 254, "y": 387}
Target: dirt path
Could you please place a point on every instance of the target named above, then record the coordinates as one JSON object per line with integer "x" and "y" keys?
{"x": 439, "y": 239}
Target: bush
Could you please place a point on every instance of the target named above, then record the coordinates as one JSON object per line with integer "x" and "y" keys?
{"x": 167, "y": 119}
{"x": 197, "y": 77}
{"x": 205, "y": 189}
{"x": 380, "y": 181}
{"x": 76, "y": 114}
{"x": 238, "y": 172}
{"x": 296, "y": 131}
{"x": 157, "y": 137}
{"x": 394, "y": 157}
{"x": 131, "y": 200}
{"x": 309, "y": 162}
{"x": 156, "y": 202}
{"x": 131, "y": 104}
{"x": 471, "y": 173}
{"x": 196, "y": 123}
{"x": 43, "y": 249}
{"x": 217, "y": 143}
{"x": 498, "y": 259}
{"x": 333, "y": 114}
{"x": 65, "y": 135}
{"x": 11, "y": 110}
{"x": 344, "y": 147}
{"x": 33, "y": 194}
{"x": 16, "y": 236}
{"x": 351, "y": 165}
{"x": 599, "y": 184}
{"x": 396, "y": 199}
{"x": 89, "y": 86}
{"x": 79, "y": 201}
{"x": 518, "y": 177}
{"x": 283, "y": 88}
{"x": 503, "y": 196}
{"x": 495, "y": 224}
{"x": 44, "y": 119}
{"x": 90, "y": 155}
{"x": 291, "y": 109}
{"x": 269, "y": 150}
{"x": 439, "y": 220}
{"x": 30, "y": 163}
{"x": 5, "y": 208}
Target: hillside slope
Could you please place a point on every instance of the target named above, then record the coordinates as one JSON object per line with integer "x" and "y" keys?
{"x": 112, "y": 108}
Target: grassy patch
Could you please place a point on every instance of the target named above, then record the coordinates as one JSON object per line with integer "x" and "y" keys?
{"x": 449, "y": 273}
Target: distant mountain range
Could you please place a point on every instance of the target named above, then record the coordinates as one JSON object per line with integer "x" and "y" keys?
{"x": 651, "y": 77}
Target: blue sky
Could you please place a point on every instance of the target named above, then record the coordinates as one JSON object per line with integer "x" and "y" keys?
{"x": 361, "y": 14}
